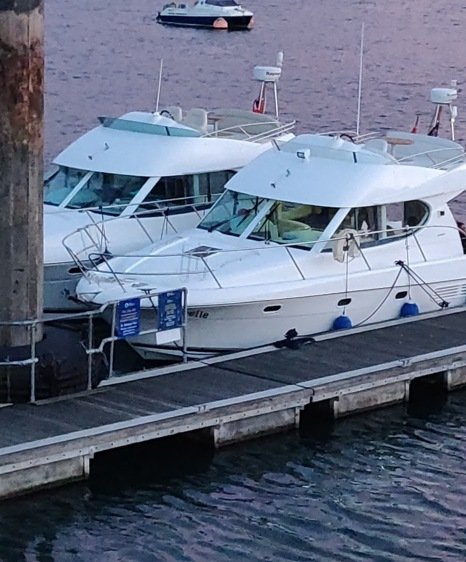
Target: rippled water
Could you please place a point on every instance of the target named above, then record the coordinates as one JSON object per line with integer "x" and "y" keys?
{"x": 385, "y": 486}
{"x": 103, "y": 59}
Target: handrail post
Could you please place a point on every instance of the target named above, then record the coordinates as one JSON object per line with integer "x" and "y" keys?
{"x": 185, "y": 325}
{"x": 32, "y": 330}
{"x": 209, "y": 269}
{"x": 112, "y": 343}
{"x": 90, "y": 355}
{"x": 294, "y": 262}
{"x": 8, "y": 388}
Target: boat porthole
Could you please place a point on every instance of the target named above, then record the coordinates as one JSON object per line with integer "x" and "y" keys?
{"x": 401, "y": 295}
{"x": 272, "y": 308}
{"x": 344, "y": 302}
{"x": 74, "y": 270}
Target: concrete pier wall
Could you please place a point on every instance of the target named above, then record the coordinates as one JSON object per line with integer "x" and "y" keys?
{"x": 456, "y": 377}
{"x": 33, "y": 476}
{"x": 369, "y": 399}
{"x": 241, "y": 430}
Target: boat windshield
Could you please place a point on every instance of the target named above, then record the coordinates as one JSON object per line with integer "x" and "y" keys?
{"x": 111, "y": 192}
{"x": 289, "y": 223}
{"x": 233, "y": 213}
{"x": 223, "y": 3}
{"x": 61, "y": 183}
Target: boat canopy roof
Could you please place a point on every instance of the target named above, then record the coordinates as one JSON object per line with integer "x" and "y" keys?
{"x": 152, "y": 145}
{"x": 333, "y": 172}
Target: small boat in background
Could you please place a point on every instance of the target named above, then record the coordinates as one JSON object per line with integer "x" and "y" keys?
{"x": 215, "y": 14}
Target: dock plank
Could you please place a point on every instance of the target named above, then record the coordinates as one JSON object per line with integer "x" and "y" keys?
{"x": 228, "y": 379}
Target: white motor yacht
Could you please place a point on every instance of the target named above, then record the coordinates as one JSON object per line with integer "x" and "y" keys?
{"x": 316, "y": 234}
{"x": 214, "y": 14}
{"x": 136, "y": 178}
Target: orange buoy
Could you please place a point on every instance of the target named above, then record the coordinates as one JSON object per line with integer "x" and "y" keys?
{"x": 220, "y": 23}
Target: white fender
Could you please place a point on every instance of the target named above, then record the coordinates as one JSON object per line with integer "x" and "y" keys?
{"x": 347, "y": 242}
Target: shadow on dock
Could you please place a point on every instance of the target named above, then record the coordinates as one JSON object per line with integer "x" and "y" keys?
{"x": 63, "y": 365}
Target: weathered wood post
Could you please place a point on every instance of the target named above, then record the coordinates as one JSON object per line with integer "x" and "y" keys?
{"x": 21, "y": 166}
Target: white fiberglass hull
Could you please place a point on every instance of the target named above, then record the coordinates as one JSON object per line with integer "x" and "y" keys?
{"x": 122, "y": 235}
{"x": 230, "y": 327}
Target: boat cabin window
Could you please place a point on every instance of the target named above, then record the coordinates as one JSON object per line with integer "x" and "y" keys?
{"x": 178, "y": 191}
{"x": 397, "y": 216}
{"x": 233, "y": 213}
{"x": 289, "y": 223}
{"x": 211, "y": 185}
{"x": 365, "y": 220}
{"x": 383, "y": 223}
{"x": 109, "y": 192}
{"x": 61, "y": 183}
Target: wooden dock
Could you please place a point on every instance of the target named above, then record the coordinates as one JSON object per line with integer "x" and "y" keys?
{"x": 232, "y": 398}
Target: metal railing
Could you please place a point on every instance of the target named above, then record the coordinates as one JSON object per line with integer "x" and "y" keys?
{"x": 93, "y": 237}
{"x": 449, "y": 155}
{"x": 246, "y": 130}
{"x": 87, "y": 318}
{"x": 363, "y": 240}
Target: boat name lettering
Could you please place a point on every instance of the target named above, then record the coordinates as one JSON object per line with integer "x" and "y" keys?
{"x": 198, "y": 314}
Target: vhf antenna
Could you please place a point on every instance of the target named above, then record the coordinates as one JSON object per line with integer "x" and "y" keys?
{"x": 157, "y": 100}
{"x": 358, "y": 118}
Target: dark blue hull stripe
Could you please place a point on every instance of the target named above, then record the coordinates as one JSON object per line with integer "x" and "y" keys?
{"x": 234, "y": 22}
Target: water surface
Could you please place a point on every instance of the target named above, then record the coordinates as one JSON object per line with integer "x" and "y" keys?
{"x": 385, "y": 486}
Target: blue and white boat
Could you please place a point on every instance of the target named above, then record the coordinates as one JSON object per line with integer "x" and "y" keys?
{"x": 215, "y": 14}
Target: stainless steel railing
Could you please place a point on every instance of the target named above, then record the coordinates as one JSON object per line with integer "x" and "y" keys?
{"x": 89, "y": 318}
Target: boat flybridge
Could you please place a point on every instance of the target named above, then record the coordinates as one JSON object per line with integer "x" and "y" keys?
{"x": 320, "y": 233}
{"x": 139, "y": 177}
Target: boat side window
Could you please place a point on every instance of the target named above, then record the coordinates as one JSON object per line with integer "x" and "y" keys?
{"x": 365, "y": 221}
{"x": 61, "y": 183}
{"x": 415, "y": 213}
{"x": 398, "y": 216}
{"x": 178, "y": 191}
{"x": 393, "y": 215}
{"x": 383, "y": 223}
{"x": 233, "y": 213}
{"x": 290, "y": 223}
{"x": 111, "y": 193}
{"x": 208, "y": 186}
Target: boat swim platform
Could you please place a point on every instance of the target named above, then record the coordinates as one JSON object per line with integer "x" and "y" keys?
{"x": 231, "y": 398}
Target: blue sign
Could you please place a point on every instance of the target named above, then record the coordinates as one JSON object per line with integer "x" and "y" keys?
{"x": 128, "y": 318}
{"x": 171, "y": 313}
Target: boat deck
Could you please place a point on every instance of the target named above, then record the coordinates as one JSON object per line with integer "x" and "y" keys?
{"x": 215, "y": 393}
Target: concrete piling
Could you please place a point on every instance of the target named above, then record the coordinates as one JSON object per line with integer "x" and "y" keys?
{"x": 21, "y": 167}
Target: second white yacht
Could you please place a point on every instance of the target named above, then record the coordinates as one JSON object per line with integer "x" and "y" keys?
{"x": 136, "y": 178}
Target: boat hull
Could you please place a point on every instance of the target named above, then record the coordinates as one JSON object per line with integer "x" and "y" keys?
{"x": 216, "y": 329}
{"x": 61, "y": 278}
{"x": 234, "y": 23}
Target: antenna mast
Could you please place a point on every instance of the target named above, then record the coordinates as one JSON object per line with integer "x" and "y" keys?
{"x": 358, "y": 118}
{"x": 267, "y": 75}
{"x": 159, "y": 85}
